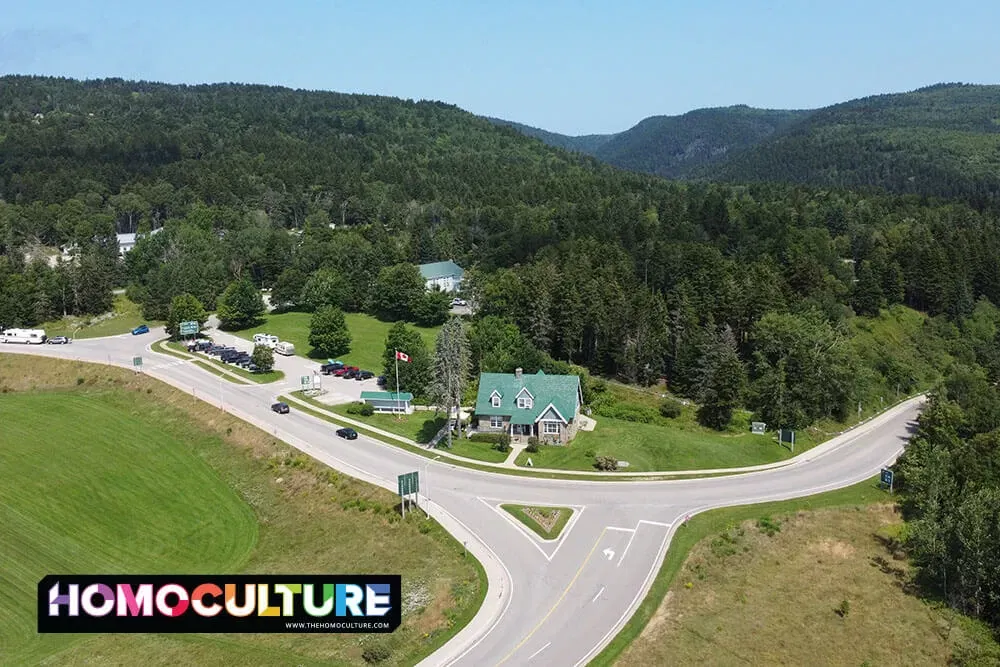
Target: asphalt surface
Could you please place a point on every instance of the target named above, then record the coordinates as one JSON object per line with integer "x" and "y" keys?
{"x": 548, "y": 603}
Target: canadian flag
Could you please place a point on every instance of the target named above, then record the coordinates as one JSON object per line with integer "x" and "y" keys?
{"x": 402, "y": 356}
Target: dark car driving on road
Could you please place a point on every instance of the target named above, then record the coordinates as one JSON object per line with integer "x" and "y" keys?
{"x": 348, "y": 433}
{"x": 280, "y": 408}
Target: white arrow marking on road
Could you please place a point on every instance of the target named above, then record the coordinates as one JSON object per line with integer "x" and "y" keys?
{"x": 609, "y": 554}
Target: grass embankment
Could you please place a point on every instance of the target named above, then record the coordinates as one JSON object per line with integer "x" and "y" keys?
{"x": 125, "y": 474}
{"x": 124, "y": 316}
{"x": 204, "y": 360}
{"x": 651, "y": 619}
{"x": 421, "y": 427}
{"x": 367, "y": 337}
{"x": 803, "y": 588}
{"x": 546, "y": 522}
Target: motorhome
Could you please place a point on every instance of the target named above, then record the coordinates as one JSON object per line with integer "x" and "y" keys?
{"x": 29, "y": 336}
{"x": 284, "y": 348}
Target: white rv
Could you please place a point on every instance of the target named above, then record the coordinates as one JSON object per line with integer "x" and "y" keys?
{"x": 29, "y": 336}
{"x": 266, "y": 340}
{"x": 286, "y": 349}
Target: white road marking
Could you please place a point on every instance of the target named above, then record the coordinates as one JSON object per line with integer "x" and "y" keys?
{"x": 609, "y": 553}
{"x": 494, "y": 505}
{"x": 598, "y": 595}
{"x": 624, "y": 530}
{"x": 539, "y": 651}
{"x": 656, "y": 523}
{"x": 626, "y": 549}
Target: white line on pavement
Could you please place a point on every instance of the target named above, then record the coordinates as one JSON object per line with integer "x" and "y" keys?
{"x": 598, "y": 594}
{"x": 624, "y": 530}
{"x": 539, "y": 651}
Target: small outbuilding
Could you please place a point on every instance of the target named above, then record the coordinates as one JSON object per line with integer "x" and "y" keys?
{"x": 389, "y": 402}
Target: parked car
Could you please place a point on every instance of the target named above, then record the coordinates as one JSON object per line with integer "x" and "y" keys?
{"x": 330, "y": 368}
{"x": 58, "y": 340}
{"x": 381, "y": 380}
{"x": 252, "y": 367}
{"x": 280, "y": 408}
{"x": 141, "y": 329}
{"x": 349, "y": 375}
{"x": 348, "y": 433}
{"x": 458, "y": 302}
{"x": 340, "y": 372}
{"x": 363, "y": 375}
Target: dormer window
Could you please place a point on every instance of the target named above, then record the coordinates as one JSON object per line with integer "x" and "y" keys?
{"x": 524, "y": 402}
{"x": 495, "y": 401}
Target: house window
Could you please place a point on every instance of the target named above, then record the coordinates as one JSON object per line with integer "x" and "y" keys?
{"x": 496, "y": 422}
{"x": 495, "y": 401}
{"x": 523, "y": 402}
{"x": 550, "y": 428}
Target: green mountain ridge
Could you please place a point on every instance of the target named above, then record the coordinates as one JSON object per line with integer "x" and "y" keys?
{"x": 941, "y": 140}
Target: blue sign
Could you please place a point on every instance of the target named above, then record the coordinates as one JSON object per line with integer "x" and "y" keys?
{"x": 887, "y": 477}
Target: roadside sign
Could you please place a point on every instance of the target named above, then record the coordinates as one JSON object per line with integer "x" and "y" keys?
{"x": 408, "y": 483}
{"x": 137, "y": 362}
{"x": 306, "y": 382}
{"x": 787, "y": 435}
{"x": 758, "y": 428}
{"x": 188, "y": 328}
{"x": 887, "y": 478}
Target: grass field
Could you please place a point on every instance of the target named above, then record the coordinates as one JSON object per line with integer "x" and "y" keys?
{"x": 207, "y": 360}
{"x": 480, "y": 451}
{"x": 124, "y": 317}
{"x": 553, "y": 518}
{"x": 803, "y": 588}
{"x": 367, "y": 337}
{"x": 125, "y": 474}
{"x": 421, "y": 426}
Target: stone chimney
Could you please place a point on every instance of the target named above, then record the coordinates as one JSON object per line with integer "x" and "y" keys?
{"x": 517, "y": 373}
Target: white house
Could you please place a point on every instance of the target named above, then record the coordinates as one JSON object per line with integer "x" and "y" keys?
{"x": 446, "y": 276}
{"x": 127, "y": 241}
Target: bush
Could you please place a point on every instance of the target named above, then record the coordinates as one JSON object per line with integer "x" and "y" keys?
{"x": 844, "y": 608}
{"x": 533, "y": 446}
{"x": 376, "y": 653}
{"x": 367, "y": 410}
{"x": 356, "y": 408}
{"x": 492, "y": 438}
{"x": 502, "y": 443}
{"x": 606, "y": 463}
{"x": 671, "y": 409}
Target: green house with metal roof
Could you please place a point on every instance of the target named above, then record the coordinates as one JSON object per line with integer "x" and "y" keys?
{"x": 389, "y": 401}
{"x": 544, "y": 406}
{"x": 446, "y": 276}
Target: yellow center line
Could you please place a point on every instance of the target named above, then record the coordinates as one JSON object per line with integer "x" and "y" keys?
{"x": 558, "y": 602}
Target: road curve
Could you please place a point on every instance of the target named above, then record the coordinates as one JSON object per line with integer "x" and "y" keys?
{"x": 548, "y": 603}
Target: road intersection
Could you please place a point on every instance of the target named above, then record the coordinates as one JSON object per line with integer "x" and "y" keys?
{"x": 549, "y": 602}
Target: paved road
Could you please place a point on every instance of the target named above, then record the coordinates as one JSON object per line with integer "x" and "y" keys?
{"x": 549, "y": 603}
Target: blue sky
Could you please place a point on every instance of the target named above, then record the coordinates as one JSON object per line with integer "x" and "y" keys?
{"x": 575, "y": 67}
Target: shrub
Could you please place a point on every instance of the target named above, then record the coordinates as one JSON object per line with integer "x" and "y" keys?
{"x": 503, "y": 443}
{"x": 671, "y": 409}
{"x": 356, "y": 408}
{"x": 532, "y": 445}
{"x": 492, "y": 438}
{"x": 768, "y": 526}
{"x": 367, "y": 410}
{"x": 606, "y": 463}
{"x": 376, "y": 653}
{"x": 844, "y": 608}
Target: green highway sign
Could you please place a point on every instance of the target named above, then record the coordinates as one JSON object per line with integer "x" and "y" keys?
{"x": 408, "y": 483}
{"x": 887, "y": 478}
{"x": 137, "y": 361}
{"x": 189, "y": 328}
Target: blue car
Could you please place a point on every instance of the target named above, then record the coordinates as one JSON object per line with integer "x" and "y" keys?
{"x": 141, "y": 329}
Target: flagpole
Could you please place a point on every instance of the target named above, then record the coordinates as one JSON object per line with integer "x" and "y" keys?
{"x": 397, "y": 382}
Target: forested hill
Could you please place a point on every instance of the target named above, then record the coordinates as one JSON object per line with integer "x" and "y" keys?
{"x": 672, "y": 146}
{"x": 272, "y": 148}
{"x": 943, "y": 140}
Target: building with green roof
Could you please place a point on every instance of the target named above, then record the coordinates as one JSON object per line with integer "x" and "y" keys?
{"x": 446, "y": 276}
{"x": 544, "y": 406}
{"x": 389, "y": 401}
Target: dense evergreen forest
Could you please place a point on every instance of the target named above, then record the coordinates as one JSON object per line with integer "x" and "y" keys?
{"x": 941, "y": 141}
{"x": 798, "y": 303}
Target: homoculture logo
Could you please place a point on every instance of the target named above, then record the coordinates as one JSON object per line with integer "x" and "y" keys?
{"x": 219, "y": 603}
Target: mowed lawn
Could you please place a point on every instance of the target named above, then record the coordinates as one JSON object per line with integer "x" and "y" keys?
{"x": 124, "y": 317}
{"x": 105, "y": 471}
{"x": 368, "y": 336}
{"x": 649, "y": 447}
{"x": 747, "y": 597}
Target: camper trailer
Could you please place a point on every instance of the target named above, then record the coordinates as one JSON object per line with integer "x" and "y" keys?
{"x": 267, "y": 340}
{"x": 285, "y": 348}
{"x": 29, "y": 336}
